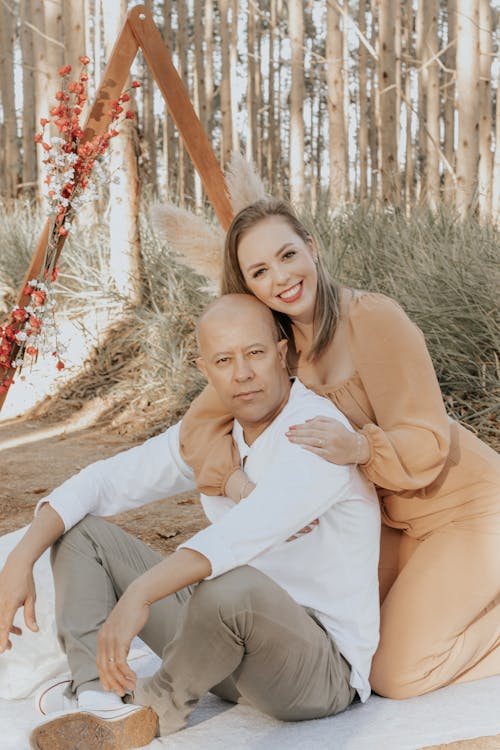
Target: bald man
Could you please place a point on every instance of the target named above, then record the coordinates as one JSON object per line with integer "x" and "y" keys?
{"x": 274, "y": 604}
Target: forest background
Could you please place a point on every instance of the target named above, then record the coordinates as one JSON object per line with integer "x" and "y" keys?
{"x": 378, "y": 119}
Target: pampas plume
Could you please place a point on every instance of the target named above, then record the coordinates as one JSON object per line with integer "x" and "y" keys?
{"x": 198, "y": 243}
{"x": 243, "y": 183}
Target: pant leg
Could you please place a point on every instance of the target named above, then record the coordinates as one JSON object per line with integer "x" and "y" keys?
{"x": 440, "y": 622}
{"x": 92, "y": 565}
{"x": 244, "y": 625}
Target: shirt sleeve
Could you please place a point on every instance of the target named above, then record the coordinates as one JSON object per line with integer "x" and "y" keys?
{"x": 207, "y": 444}
{"x": 297, "y": 486}
{"x": 135, "y": 477}
{"x": 410, "y": 437}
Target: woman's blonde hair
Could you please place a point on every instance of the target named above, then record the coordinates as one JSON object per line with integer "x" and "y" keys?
{"x": 326, "y": 310}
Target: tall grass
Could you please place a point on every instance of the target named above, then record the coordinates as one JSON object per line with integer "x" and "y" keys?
{"x": 445, "y": 274}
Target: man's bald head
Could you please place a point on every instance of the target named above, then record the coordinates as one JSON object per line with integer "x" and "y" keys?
{"x": 231, "y": 307}
{"x": 244, "y": 359}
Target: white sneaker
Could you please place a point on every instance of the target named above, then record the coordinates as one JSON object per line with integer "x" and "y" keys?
{"x": 52, "y": 700}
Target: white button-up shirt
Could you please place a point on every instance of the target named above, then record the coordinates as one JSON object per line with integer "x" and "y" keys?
{"x": 331, "y": 569}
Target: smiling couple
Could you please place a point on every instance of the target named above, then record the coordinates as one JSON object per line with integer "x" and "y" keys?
{"x": 276, "y": 602}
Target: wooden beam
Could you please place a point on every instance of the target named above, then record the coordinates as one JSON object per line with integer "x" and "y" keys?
{"x": 140, "y": 30}
{"x": 179, "y": 105}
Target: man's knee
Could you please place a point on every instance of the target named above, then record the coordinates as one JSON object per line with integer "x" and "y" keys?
{"x": 79, "y": 537}
{"x": 236, "y": 591}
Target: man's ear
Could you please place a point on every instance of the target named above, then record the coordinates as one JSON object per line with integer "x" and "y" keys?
{"x": 282, "y": 350}
{"x": 200, "y": 364}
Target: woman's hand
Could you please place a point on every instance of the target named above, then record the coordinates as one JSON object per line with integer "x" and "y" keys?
{"x": 330, "y": 439}
{"x": 127, "y": 619}
{"x": 17, "y": 589}
{"x": 238, "y": 486}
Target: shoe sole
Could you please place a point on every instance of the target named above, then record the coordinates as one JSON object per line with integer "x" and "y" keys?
{"x": 82, "y": 731}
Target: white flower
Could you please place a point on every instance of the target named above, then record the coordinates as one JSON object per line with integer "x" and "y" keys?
{"x": 21, "y": 336}
{"x": 18, "y": 362}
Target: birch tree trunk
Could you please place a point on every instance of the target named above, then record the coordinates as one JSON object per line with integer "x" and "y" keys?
{"x": 124, "y": 185}
{"x": 373, "y": 108}
{"x": 336, "y": 117}
{"x": 28, "y": 115}
{"x": 297, "y": 175}
{"x": 169, "y": 139}
{"x": 251, "y": 146}
{"x": 10, "y": 148}
{"x": 409, "y": 165}
{"x": 233, "y": 54}
{"x": 363, "y": 106}
{"x": 209, "y": 60}
{"x": 468, "y": 103}
{"x": 270, "y": 151}
{"x": 148, "y": 141}
{"x": 389, "y": 168}
{"x": 73, "y": 21}
{"x": 449, "y": 104}
{"x": 485, "y": 114}
{"x": 430, "y": 75}
{"x": 495, "y": 197}
{"x": 186, "y": 171}
{"x": 225, "y": 85}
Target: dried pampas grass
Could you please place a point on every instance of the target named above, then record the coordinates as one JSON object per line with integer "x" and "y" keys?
{"x": 198, "y": 243}
{"x": 243, "y": 183}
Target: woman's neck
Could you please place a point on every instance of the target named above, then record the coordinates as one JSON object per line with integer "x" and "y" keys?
{"x": 303, "y": 334}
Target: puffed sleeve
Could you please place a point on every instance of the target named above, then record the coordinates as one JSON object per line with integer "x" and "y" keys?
{"x": 410, "y": 437}
{"x": 206, "y": 442}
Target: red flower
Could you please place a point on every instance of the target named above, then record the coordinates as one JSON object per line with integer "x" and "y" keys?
{"x": 64, "y": 70}
{"x": 63, "y": 232}
{"x": 135, "y": 84}
{"x": 46, "y": 146}
{"x": 60, "y": 96}
{"x": 129, "y": 115}
{"x": 38, "y": 297}
{"x": 19, "y": 315}
{"x": 32, "y": 351}
{"x": 44, "y": 122}
{"x": 28, "y": 289}
{"x": 60, "y": 365}
{"x": 125, "y": 97}
{"x": 84, "y": 60}
{"x": 35, "y": 323}
{"x": 5, "y": 361}
{"x": 84, "y": 77}
{"x": 38, "y": 137}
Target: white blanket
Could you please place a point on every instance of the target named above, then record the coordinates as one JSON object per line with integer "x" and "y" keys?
{"x": 453, "y": 713}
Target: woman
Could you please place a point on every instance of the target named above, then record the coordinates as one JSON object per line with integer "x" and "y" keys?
{"x": 439, "y": 485}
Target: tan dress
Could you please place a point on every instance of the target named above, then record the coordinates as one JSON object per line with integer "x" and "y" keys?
{"x": 439, "y": 488}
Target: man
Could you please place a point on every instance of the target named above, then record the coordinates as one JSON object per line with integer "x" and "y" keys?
{"x": 275, "y": 603}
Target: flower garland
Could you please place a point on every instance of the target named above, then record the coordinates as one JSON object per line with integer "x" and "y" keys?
{"x": 68, "y": 164}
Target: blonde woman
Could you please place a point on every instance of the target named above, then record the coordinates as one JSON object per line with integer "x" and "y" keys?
{"x": 438, "y": 484}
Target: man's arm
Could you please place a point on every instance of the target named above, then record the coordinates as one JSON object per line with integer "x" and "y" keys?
{"x": 135, "y": 477}
{"x": 131, "y": 612}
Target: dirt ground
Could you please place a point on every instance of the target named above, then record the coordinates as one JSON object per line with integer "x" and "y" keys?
{"x": 36, "y": 456}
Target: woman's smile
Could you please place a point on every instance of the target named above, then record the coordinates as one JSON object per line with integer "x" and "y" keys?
{"x": 279, "y": 268}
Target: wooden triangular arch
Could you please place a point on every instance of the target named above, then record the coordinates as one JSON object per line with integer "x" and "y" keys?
{"x": 140, "y": 32}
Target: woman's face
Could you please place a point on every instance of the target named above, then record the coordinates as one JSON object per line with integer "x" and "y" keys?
{"x": 279, "y": 268}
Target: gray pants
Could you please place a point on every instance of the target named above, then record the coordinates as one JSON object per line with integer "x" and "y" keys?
{"x": 239, "y": 635}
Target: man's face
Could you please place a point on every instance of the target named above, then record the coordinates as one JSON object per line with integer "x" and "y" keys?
{"x": 245, "y": 364}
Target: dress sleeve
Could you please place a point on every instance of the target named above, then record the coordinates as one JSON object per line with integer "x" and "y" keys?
{"x": 206, "y": 442}
{"x": 410, "y": 436}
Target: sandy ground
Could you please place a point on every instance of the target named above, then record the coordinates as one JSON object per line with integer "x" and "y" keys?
{"x": 36, "y": 456}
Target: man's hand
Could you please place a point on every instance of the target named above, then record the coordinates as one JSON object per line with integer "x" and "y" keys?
{"x": 126, "y": 620}
{"x": 17, "y": 589}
